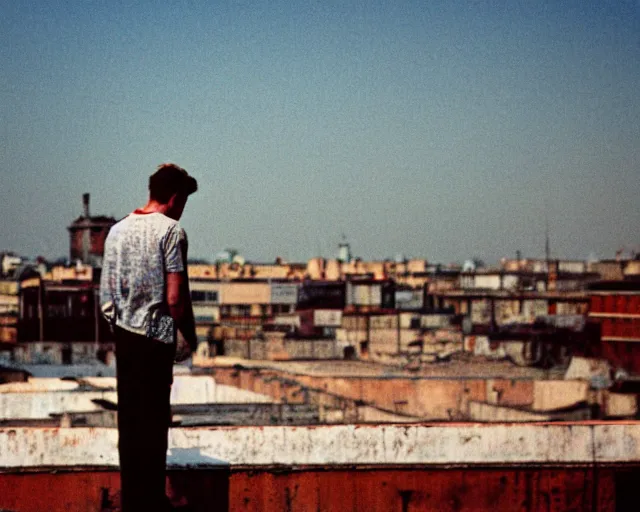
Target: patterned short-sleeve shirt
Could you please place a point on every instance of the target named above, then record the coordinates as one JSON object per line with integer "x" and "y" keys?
{"x": 139, "y": 251}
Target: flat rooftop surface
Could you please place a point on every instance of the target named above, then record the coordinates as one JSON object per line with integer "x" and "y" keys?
{"x": 458, "y": 367}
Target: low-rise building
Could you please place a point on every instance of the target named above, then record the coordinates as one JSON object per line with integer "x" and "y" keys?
{"x": 615, "y": 308}
{"x": 9, "y": 311}
{"x": 65, "y": 310}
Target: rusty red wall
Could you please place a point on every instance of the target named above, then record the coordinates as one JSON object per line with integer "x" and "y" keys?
{"x": 424, "y": 490}
{"x": 96, "y": 241}
{"x": 364, "y": 490}
{"x": 618, "y": 316}
{"x": 622, "y": 354}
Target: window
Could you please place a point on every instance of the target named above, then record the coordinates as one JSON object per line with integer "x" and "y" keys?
{"x": 241, "y": 310}
{"x": 281, "y": 308}
{"x": 204, "y": 296}
{"x": 56, "y": 311}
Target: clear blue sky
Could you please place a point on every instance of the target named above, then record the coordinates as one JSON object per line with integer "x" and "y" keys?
{"x": 439, "y": 129}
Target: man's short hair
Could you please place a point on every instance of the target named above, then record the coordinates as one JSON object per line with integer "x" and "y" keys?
{"x": 170, "y": 179}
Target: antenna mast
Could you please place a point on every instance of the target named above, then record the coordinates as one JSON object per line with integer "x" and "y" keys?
{"x": 547, "y": 250}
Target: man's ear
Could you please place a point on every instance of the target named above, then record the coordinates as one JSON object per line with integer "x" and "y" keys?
{"x": 172, "y": 200}
{"x": 175, "y": 205}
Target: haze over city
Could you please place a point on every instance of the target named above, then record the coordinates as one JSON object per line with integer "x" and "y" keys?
{"x": 442, "y": 130}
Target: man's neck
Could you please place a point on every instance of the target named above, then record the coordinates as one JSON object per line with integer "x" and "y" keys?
{"x": 153, "y": 206}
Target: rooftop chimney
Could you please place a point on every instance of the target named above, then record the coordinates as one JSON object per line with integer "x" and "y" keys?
{"x": 85, "y": 204}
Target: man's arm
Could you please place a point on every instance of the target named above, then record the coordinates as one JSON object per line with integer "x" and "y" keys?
{"x": 180, "y": 308}
{"x": 107, "y": 287}
{"x": 188, "y": 312}
{"x": 186, "y": 293}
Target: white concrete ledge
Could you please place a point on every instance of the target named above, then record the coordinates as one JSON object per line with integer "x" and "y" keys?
{"x": 384, "y": 445}
{"x": 617, "y": 443}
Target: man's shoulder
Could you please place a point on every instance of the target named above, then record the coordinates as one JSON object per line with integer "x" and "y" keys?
{"x": 157, "y": 219}
{"x": 135, "y": 222}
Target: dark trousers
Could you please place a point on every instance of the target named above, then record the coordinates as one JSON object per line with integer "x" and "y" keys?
{"x": 144, "y": 371}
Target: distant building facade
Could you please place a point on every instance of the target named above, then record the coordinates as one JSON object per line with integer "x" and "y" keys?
{"x": 615, "y": 306}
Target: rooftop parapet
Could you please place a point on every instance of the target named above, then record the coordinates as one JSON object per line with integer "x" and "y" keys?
{"x": 417, "y": 445}
{"x": 485, "y": 468}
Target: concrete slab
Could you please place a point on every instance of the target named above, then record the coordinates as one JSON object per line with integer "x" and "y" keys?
{"x": 550, "y": 395}
{"x": 38, "y": 385}
{"x": 345, "y": 445}
{"x": 616, "y": 442}
{"x": 621, "y": 405}
{"x": 41, "y": 405}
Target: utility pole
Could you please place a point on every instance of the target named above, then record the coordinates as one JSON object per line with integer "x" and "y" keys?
{"x": 41, "y": 310}
{"x": 547, "y": 250}
{"x": 96, "y": 315}
{"x": 398, "y": 331}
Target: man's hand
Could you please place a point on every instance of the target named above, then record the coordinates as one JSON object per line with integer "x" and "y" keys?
{"x": 183, "y": 348}
{"x": 181, "y": 311}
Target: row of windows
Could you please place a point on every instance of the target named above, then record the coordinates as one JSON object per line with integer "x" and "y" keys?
{"x": 62, "y": 311}
{"x": 621, "y": 328}
{"x": 204, "y": 296}
{"x": 56, "y": 311}
{"x": 629, "y": 304}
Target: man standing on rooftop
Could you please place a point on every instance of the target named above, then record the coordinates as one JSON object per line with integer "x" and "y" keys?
{"x": 144, "y": 294}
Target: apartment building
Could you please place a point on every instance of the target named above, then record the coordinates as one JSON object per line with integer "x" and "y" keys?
{"x": 615, "y": 308}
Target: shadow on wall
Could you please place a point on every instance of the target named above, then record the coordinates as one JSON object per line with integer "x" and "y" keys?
{"x": 188, "y": 490}
{"x": 197, "y": 489}
{"x": 200, "y": 491}
{"x": 190, "y": 458}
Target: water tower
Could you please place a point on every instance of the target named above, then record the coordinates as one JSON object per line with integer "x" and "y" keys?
{"x": 87, "y": 235}
{"x": 344, "y": 251}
